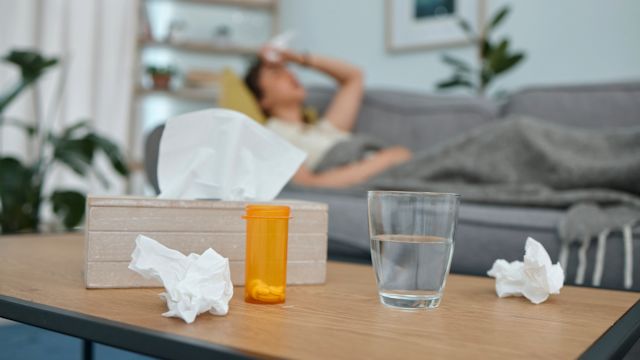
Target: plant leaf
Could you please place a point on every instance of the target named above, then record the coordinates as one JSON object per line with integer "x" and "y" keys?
{"x": 497, "y": 55}
{"x": 101, "y": 178}
{"x": 486, "y": 76}
{"x": 78, "y": 152}
{"x": 499, "y": 16}
{"x": 19, "y": 196}
{"x": 486, "y": 49}
{"x": 508, "y": 63}
{"x": 71, "y": 130}
{"x": 112, "y": 151}
{"x": 460, "y": 65}
{"x": 8, "y": 97}
{"x": 68, "y": 205}
{"x": 74, "y": 162}
{"x": 75, "y": 153}
{"x": 455, "y": 81}
{"x": 13, "y": 175}
{"x": 464, "y": 25}
{"x": 29, "y": 129}
{"x": 32, "y": 65}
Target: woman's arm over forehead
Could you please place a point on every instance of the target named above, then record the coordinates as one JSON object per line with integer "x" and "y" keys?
{"x": 345, "y": 105}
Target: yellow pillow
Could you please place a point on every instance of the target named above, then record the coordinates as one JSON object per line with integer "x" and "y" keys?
{"x": 235, "y": 95}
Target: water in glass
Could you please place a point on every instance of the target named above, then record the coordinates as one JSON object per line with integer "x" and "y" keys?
{"x": 411, "y": 270}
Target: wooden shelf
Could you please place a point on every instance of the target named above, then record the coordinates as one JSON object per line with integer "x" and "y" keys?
{"x": 258, "y": 4}
{"x": 184, "y": 94}
{"x": 202, "y": 47}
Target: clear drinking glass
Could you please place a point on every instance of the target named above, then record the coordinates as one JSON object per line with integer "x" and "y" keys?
{"x": 411, "y": 245}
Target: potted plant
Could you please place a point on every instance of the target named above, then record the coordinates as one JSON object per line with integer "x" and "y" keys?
{"x": 495, "y": 58}
{"x": 161, "y": 76}
{"x": 22, "y": 193}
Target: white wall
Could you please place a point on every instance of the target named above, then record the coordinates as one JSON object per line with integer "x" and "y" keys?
{"x": 567, "y": 41}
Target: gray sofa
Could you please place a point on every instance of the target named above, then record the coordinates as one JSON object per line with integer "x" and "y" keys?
{"x": 484, "y": 232}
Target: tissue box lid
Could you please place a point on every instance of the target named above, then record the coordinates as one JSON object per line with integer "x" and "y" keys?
{"x": 142, "y": 201}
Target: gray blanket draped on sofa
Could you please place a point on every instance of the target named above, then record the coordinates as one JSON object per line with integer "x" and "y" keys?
{"x": 595, "y": 174}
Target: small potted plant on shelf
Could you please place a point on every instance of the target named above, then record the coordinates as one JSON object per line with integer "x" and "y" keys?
{"x": 161, "y": 76}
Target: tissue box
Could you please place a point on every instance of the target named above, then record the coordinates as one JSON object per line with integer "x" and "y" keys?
{"x": 192, "y": 226}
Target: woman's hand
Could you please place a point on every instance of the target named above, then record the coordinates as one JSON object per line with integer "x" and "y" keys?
{"x": 270, "y": 54}
{"x": 355, "y": 173}
{"x": 394, "y": 155}
{"x": 273, "y": 55}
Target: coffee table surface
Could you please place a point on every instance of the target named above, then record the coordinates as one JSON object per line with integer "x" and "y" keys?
{"x": 42, "y": 276}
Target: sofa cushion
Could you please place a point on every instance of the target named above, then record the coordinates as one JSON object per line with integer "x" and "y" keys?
{"x": 235, "y": 95}
{"x": 413, "y": 120}
{"x": 593, "y": 106}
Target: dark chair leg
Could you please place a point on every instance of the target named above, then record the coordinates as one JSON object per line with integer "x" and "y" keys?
{"x": 87, "y": 349}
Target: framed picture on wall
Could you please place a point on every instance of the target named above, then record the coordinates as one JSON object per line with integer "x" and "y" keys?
{"x": 427, "y": 24}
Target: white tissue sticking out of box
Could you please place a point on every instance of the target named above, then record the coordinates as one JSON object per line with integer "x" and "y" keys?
{"x": 535, "y": 278}
{"x": 223, "y": 154}
{"x": 194, "y": 284}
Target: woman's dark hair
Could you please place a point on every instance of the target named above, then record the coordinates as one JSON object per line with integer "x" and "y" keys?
{"x": 252, "y": 79}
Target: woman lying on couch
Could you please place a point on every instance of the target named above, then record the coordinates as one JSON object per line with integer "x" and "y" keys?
{"x": 281, "y": 97}
{"x": 515, "y": 160}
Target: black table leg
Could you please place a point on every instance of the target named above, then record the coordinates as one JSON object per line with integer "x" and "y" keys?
{"x": 87, "y": 349}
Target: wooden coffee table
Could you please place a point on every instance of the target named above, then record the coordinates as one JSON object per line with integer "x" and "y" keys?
{"x": 41, "y": 284}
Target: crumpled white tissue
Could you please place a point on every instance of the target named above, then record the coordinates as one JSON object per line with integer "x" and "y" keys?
{"x": 194, "y": 284}
{"x": 535, "y": 278}
{"x": 223, "y": 154}
{"x": 279, "y": 43}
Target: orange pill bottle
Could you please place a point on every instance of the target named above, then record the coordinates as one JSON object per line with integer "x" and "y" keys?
{"x": 266, "y": 253}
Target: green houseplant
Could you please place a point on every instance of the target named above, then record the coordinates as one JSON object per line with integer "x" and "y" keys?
{"x": 21, "y": 181}
{"x": 495, "y": 58}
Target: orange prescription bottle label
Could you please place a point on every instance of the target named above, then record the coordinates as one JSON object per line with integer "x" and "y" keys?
{"x": 266, "y": 253}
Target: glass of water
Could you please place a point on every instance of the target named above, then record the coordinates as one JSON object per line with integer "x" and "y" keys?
{"x": 411, "y": 245}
